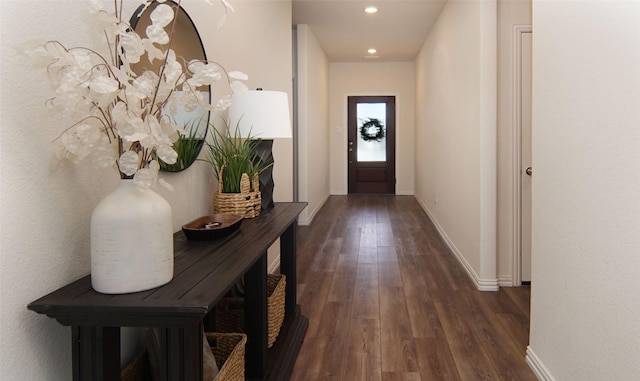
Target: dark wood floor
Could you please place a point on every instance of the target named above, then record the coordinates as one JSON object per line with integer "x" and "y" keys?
{"x": 387, "y": 301}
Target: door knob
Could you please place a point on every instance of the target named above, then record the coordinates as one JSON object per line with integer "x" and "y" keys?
{"x": 529, "y": 171}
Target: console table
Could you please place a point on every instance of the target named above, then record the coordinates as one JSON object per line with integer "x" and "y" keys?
{"x": 203, "y": 273}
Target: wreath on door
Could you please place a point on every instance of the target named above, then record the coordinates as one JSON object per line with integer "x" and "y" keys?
{"x": 372, "y": 130}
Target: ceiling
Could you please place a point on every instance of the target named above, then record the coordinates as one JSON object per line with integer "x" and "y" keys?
{"x": 345, "y": 32}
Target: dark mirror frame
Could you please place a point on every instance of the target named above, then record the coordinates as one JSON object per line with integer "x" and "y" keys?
{"x": 192, "y": 143}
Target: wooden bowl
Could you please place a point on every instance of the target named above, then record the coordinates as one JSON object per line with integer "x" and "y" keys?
{"x": 211, "y": 227}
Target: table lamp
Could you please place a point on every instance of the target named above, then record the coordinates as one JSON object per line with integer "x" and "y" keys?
{"x": 264, "y": 116}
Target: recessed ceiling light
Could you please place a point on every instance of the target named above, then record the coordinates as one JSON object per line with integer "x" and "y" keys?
{"x": 372, "y": 51}
{"x": 371, "y": 9}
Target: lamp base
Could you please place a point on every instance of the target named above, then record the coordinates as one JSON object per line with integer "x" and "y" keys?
{"x": 264, "y": 155}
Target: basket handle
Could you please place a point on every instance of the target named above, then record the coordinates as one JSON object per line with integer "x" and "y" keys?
{"x": 220, "y": 184}
{"x": 245, "y": 184}
{"x": 256, "y": 183}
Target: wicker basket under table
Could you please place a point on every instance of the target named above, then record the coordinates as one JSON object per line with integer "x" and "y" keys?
{"x": 228, "y": 349}
{"x": 247, "y": 203}
{"x": 230, "y": 311}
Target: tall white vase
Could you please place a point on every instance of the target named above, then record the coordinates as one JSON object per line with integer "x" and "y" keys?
{"x": 131, "y": 241}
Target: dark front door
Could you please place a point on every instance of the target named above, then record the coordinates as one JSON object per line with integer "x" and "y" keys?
{"x": 371, "y": 146}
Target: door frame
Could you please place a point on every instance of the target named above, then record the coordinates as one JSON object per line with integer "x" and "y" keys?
{"x": 345, "y": 136}
{"x": 516, "y": 150}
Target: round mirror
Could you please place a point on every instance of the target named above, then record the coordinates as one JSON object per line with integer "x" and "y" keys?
{"x": 186, "y": 43}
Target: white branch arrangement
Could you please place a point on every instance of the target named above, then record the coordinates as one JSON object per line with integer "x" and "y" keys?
{"x": 119, "y": 118}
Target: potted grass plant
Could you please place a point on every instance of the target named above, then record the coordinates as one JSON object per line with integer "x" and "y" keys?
{"x": 236, "y": 166}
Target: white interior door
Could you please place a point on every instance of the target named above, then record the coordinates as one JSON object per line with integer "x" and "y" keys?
{"x": 526, "y": 170}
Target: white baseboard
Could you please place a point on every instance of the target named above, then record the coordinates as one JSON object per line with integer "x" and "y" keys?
{"x": 505, "y": 281}
{"x": 484, "y": 284}
{"x": 274, "y": 266}
{"x": 481, "y": 284}
{"x": 305, "y": 219}
{"x": 537, "y": 367}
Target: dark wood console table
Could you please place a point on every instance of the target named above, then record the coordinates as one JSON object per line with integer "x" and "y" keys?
{"x": 203, "y": 273}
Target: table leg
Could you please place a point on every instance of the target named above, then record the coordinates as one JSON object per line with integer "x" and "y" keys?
{"x": 288, "y": 266}
{"x": 95, "y": 353}
{"x": 255, "y": 319}
{"x": 181, "y": 352}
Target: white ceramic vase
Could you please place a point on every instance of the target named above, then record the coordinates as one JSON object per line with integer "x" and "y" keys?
{"x": 131, "y": 241}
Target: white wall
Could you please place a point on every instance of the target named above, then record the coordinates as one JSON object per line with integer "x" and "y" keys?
{"x": 586, "y": 190}
{"x": 45, "y": 208}
{"x": 384, "y": 78}
{"x": 511, "y": 13}
{"x": 455, "y": 136}
{"x": 313, "y": 123}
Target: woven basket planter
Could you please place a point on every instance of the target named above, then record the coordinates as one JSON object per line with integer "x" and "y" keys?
{"x": 228, "y": 349}
{"x": 245, "y": 204}
{"x": 230, "y": 311}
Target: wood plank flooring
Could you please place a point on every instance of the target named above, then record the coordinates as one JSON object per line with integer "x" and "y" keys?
{"x": 387, "y": 301}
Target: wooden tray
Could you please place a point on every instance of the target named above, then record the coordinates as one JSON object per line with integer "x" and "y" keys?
{"x": 212, "y": 226}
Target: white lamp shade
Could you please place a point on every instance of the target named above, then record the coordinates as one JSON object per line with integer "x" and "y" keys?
{"x": 261, "y": 114}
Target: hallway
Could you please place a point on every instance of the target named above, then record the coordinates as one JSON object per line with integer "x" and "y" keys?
{"x": 387, "y": 301}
